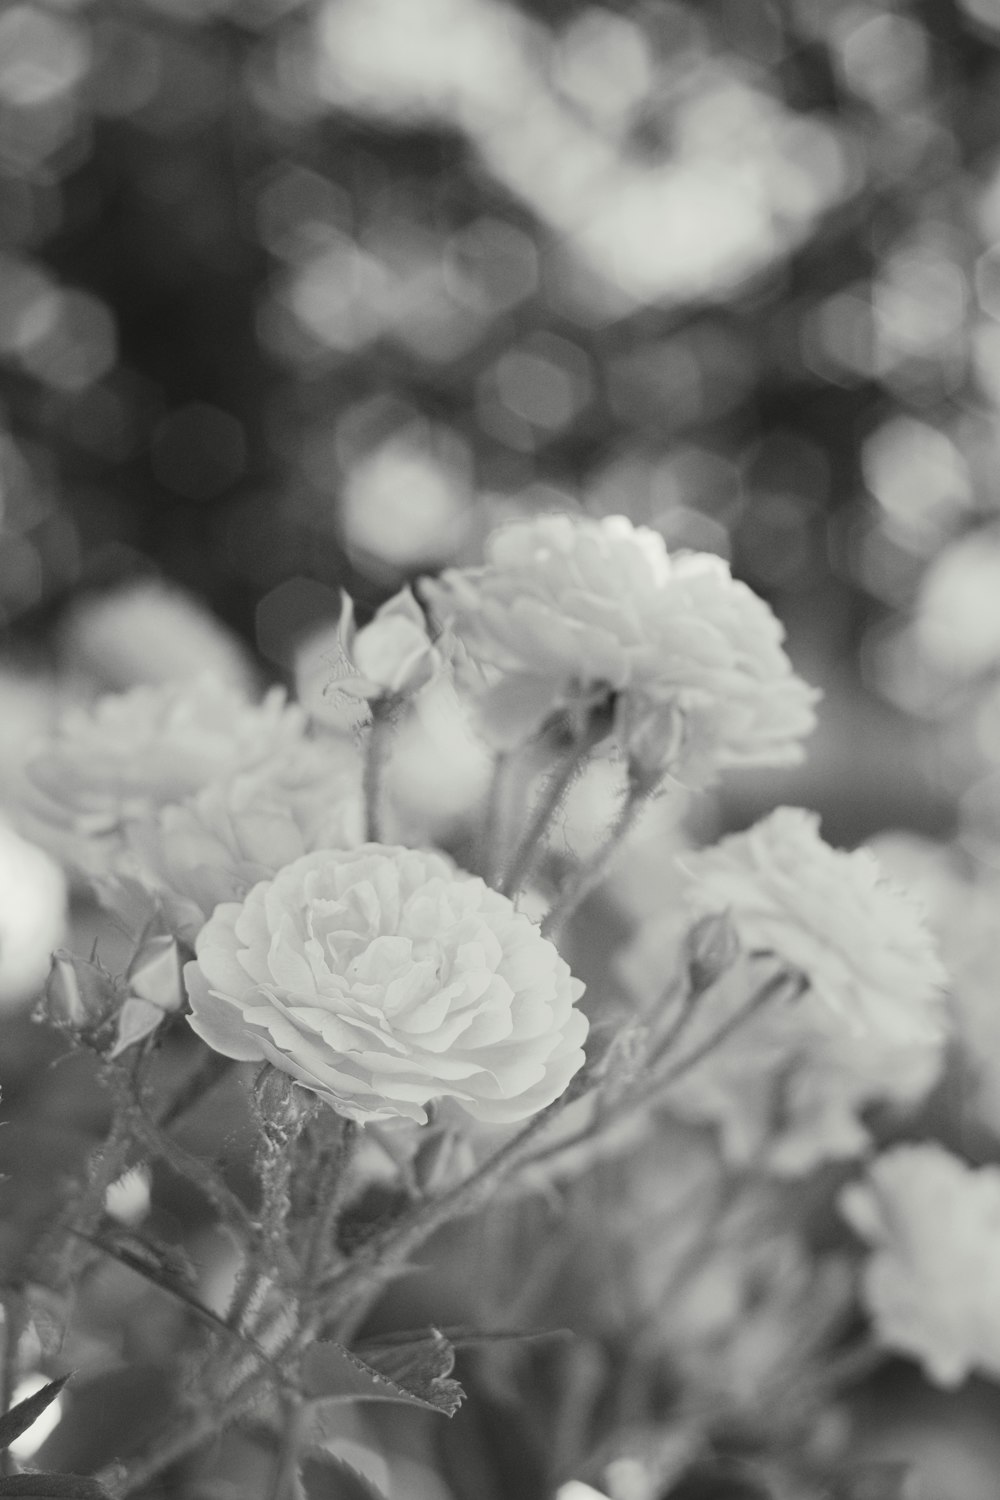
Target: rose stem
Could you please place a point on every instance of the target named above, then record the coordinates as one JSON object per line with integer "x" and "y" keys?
{"x": 592, "y": 871}
{"x": 374, "y": 768}
{"x": 552, "y": 795}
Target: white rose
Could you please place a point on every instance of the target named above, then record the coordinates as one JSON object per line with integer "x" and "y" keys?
{"x": 215, "y": 845}
{"x": 569, "y": 609}
{"x": 384, "y": 978}
{"x": 832, "y": 916}
{"x": 933, "y": 1284}
{"x": 133, "y": 752}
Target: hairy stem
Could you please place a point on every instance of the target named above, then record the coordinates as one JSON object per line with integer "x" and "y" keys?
{"x": 592, "y": 871}
{"x": 559, "y": 781}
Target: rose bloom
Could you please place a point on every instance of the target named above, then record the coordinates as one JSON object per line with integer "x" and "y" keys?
{"x": 932, "y": 1285}
{"x": 214, "y": 846}
{"x": 831, "y": 916}
{"x": 383, "y": 979}
{"x": 570, "y": 609}
{"x": 133, "y": 752}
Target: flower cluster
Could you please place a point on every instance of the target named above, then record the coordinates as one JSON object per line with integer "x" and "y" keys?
{"x": 932, "y": 1284}
{"x": 384, "y": 979}
{"x": 569, "y": 611}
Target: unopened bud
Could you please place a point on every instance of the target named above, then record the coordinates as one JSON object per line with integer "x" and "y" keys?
{"x": 281, "y": 1105}
{"x": 392, "y": 656}
{"x": 711, "y": 947}
{"x": 79, "y": 995}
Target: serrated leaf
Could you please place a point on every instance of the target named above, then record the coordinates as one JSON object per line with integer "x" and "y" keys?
{"x": 52, "y": 1487}
{"x": 414, "y": 1373}
{"x": 21, "y": 1416}
{"x": 358, "y": 1486}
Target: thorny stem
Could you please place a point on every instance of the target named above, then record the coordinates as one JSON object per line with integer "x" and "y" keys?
{"x": 638, "y": 1097}
{"x": 592, "y": 871}
{"x": 559, "y": 781}
{"x": 185, "y": 1164}
{"x": 331, "y": 1183}
{"x": 794, "y": 984}
{"x": 83, "y": 1213}
{"x": 380, "y": 1258}
{"x": 276, "y": 1176}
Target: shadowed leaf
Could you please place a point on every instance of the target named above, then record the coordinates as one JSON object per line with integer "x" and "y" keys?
{"x": 415, "y": 1373}
{"x": 21, "y": 1416}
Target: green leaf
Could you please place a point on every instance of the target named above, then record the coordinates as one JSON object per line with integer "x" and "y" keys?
{"x": 52, "y": 1487}
{"x": 21, "y": 1416}
{"x": 414, "y": 1373}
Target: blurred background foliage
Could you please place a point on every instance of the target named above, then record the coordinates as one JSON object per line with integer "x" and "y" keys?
{"x": 299, "y": 294}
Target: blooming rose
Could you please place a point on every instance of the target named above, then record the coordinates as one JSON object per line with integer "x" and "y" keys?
{"x": 218, "y": 843}
{"x": 133, "y": 752}
{"x": 569, "y": 609}
{"x": 933, "y": 1283}
{"x": 383, "y": 978}
{"x": 831, "y": 916}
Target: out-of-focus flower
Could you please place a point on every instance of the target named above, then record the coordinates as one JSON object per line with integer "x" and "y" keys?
{"x": 215, "y": 845}
{"x": 136, "y": 751}
{"x": 932, "y": 1285}
{"x": 830, "y": 915}
{"x": 383, "y": 978}
{"x": 574, "y": 611}
{"x": 962, "y": 902}
{"x": 32, "y": 916}
{"x": 392, "y": 655}
{"x": 149, "y": 632}
{"x": 787, "y": 1089}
